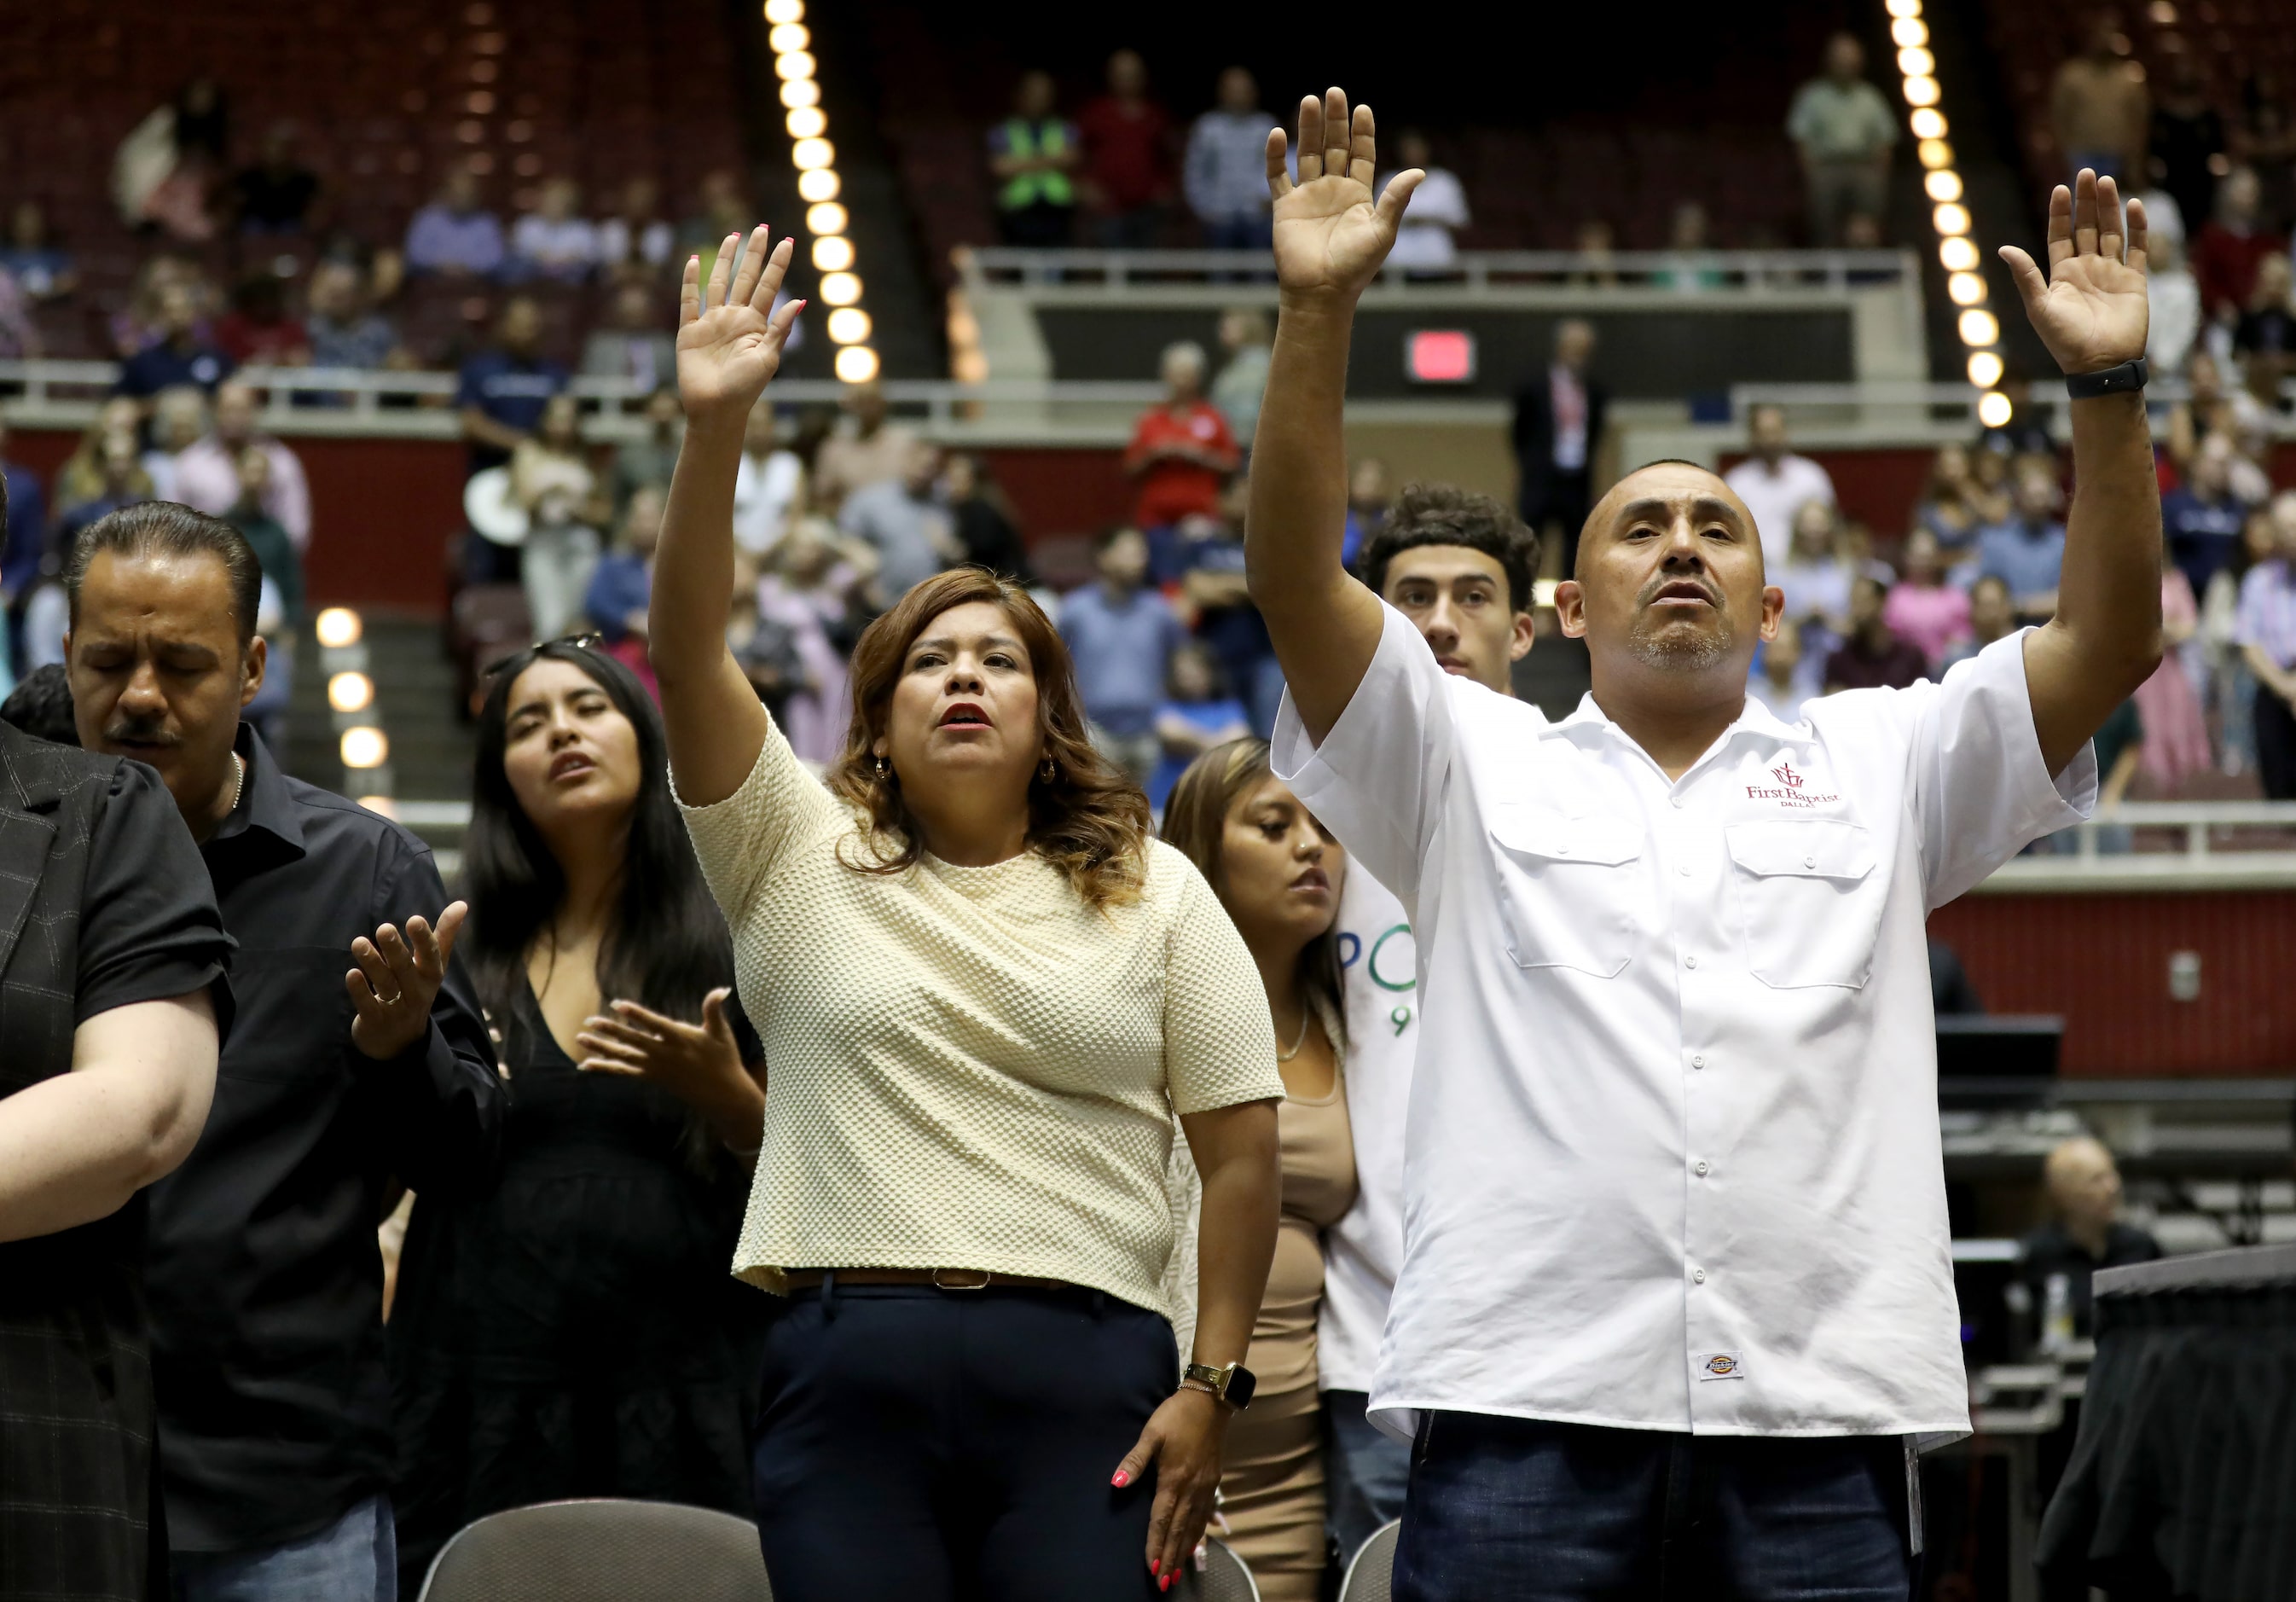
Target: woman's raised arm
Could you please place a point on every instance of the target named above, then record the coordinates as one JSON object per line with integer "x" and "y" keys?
{"x": 729, "y": 346}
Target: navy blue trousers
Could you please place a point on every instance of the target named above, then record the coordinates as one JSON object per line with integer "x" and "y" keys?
{"x": 1520, "y": 1510}
{"x": 922, "y": 1445}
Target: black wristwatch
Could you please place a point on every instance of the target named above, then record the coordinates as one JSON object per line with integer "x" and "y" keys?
{"x": 1233, "y": 1384}
{"x": 2126, "y": 379}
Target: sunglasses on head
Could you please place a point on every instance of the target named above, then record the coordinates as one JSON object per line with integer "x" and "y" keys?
{"x": 580, "y": 642}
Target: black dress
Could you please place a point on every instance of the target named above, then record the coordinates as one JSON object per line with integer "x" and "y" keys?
{"x": 575, "y": 1329}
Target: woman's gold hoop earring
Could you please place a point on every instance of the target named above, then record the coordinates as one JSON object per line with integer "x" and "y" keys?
{"x": 1050, "y": 771}
{"x": 883, "y": 766}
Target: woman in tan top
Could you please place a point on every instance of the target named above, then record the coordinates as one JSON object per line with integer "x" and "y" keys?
{"x": 983, "y": 991}
{"x": 1279, "y": 875}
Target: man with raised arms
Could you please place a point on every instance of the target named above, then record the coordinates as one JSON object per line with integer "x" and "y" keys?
{"x": 1676, "y": 1303}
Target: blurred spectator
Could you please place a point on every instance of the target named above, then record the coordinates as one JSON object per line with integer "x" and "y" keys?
{"x": 1199, "y": 712}
{"x": 621, "y": 585}
{"x": 2174, "y": 298}
{"x": 178, "y": 356}
{"x": 1122, "y": 636}
{"x": 1948, "y": 508}
{"x": 1951, "y": 993}
{"x": 651, "y": 458}
{"x": 179, "y": 420}
{"x": 276, "y": 548}
{"x": 2085, "y": 1235}
{"x": 2218, "y": 661}
{"x": 1209, "y": 554}
{"x": 983, "y": 519}
{"x": 2176, "y": 726}
{"x": 2210, "y": 406}
{"x": 1596, "y": 243}
{"x": 1992, "y": 614}
{"x": 809, "y": 599}
{"x": 23, "y": 536}
{"x": 1693, "y": 267}
{"x": 866, "y": 448}
{"x": 1437, "y": 207}
{"x": 163, "y": 169}
{"x": 138, "y": 322}
{"x": 554, "y": 240}
{"x": 1871, "y": 657}
{"x": 2225, "y": 255}
{"x": 2187, "y": 139}
{"x": 636, "y": 345}
{"x": 278, "y": 195}
{"x": 41, "y": 705}
{"x": 1813, "y": 579}
{"x": 122, "y": 483}
{"x": 1182, "y": 449}
{"x": 551, "y": 479}
{"x": 2266, "y": 334}
{"x": 1226, "y": 167}
{"x": 1922, "y": 609}
{"x": 2201, "y": 518}
{"x": 722, "y": 210}
{"x": 41, "y": 269}
{"x": 343, "y": 330}
{"x": 81, "y": 477}
{"x": 1032, "y": 154}
{"x": 1773, "y": 482}
{"x": 1369, "y": 496}
{"x": 2026, "y": 432}
{"x": 1786, "y": 676}
{"x": 637, "y": 240}
{"x": 770, "y": 487}
{"x": 208, "y": 474}
{"x": 2265, "y": 632}
{"x": 455, "y": 235}
{"x": 1128, "y": 158}
{"x": 2098, "y": 109}
{"x": 913, "y": 535}
{"x": 19, "y": 336}
{"x": 2026, "y": 551}
{"x": 1844, "y": 130}
{"x": 1248, "y": 341}
{"x": 502, "y": 391}
{"x": 1559, "y": 416}
{"x": 257, "y": 331}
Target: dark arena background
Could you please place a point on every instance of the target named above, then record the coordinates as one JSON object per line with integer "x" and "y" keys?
{"x": 377, "y": 241}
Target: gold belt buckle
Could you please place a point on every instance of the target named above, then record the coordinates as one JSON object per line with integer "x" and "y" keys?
{"x": 981, "y": 1284}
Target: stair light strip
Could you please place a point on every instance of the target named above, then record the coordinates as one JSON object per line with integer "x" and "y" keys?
{"x": 365, "y": 748}
{"x": 1980, "y": 329}
{"x": 815, "y": 160}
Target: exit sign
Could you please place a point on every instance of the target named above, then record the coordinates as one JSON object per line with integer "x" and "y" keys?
{"x": 1440, "y": 356}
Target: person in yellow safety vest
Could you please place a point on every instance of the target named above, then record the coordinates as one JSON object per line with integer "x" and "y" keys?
{"x": 1032, "y": 152}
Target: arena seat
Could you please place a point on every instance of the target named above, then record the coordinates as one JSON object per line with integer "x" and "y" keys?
{"x": 1371, "y": 1574}
{"x": 601, "y": 1551}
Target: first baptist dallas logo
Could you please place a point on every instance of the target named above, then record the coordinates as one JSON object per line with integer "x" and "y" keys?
{"x": 1790, "y": 790}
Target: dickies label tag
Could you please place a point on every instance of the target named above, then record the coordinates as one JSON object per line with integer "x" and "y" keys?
{"x": 1721, "y": 1365}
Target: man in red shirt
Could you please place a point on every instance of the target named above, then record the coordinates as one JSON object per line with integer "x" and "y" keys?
{"x": 2225, "y": 255}
{"x": 1181, "y": 452}
{"x": 1127, "y": 147}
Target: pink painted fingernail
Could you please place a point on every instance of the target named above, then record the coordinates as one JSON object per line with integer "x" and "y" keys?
{"x": 1121, "y": 1480}
{"x": 1164, "y": 1584}
{"x": 1155, "y": 1565}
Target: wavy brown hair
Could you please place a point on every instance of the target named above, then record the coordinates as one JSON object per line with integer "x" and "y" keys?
{"x": 1195, "y": 823}
{"x": 1089, "y": 820}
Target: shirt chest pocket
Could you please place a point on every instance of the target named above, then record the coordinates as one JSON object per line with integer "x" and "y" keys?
{"x": 1567, "y": 889}
{"x": 1808, "y": 901}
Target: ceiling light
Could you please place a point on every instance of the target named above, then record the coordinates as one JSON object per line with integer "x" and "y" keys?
{"x": 1951, "y": 219}
{"x": 1929, "y": 124}
{"x": 857, "y": 364}
{"x": 789, "y": 36}
{"x": 350, "y": 692}
{"x": 841, "y": 289}
{"x": 806, "y": 154}
{"x": 1905, "y": 8}
{"x": 1993, "y": 407}
{"x": 1979, "y": 327}
{"x": 1958, "y": 255}
{"x": 848, "y": 326}
{"x": 795, "y": 63}
{"x": 365, "y": 747}
{"x": 1910, "y": 31}
{"x": 1943, "y": 184}
{"x": 827, "y": 218}
{"x": 338, "y": 626}
{"x": 806, "y": 122}
{"x": 819, "y": 184}
{"x": 1920, "y": 91}
{"x": 800, "y": 92}
{"x": 832, "y": 254}
{"x": 1916, "y": 63}
{"x": 1984, "y": 369}
{"x": 785, "y": 11}
{"x": 1936, "y": 153}
{"x": 1966, "y": 289}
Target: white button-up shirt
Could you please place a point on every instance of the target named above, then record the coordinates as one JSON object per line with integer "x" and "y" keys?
{"x": 1672, "y": 1159}
{"x": 1774, "y": 495}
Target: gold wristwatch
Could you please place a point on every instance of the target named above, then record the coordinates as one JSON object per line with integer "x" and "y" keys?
{"x": 1231, "y": 1383}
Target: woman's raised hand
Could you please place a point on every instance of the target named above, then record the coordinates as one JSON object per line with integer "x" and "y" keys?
{"x": 729, "y": 337}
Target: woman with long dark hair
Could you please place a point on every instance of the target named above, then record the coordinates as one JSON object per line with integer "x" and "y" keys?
{"x": 986, "y": 991}
{"x": 1280, "y": 875}
{"x": 571, "y": 1331}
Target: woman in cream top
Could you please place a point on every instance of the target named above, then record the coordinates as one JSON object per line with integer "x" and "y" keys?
{"x": 1280, "y": 875}
{"x": 983, "y": 992}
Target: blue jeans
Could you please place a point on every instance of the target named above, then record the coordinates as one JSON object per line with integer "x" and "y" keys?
{"x": 1366, "y": 1472}
{"x": 354, "y": 1560}
{"x": 1520, "y": 1510}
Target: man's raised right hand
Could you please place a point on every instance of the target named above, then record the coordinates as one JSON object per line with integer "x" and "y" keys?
{"x": 1330, "y": 235}
{"x": 729, "y": 337}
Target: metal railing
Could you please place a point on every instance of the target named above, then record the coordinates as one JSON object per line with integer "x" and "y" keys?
{"x": 1476, "y": 273}
{"x": 2164, "y": 845}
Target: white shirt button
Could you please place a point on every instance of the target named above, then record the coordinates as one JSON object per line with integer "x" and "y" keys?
{"x": 1675, "y": 800}
{"x": 1689, "y": 962}
{"x": 1810, "y": 862}
{"x": 1702, "y": 1170}
{"x": 1697, "y": 1062}
{"x": 1684, "y": 870}
{"x": 1698, "y": 1276}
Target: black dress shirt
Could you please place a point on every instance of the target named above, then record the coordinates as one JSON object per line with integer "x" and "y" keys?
{"x": 2049, "y": 1250}
{"x": 265, "y": 1281}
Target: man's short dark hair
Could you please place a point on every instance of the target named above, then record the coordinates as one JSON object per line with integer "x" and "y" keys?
{"x": 41, "y": 705}
{"x": 1427, "y": 514}
{"x": 165, "y": 529}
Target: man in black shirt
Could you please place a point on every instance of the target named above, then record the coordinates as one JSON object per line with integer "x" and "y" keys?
{"x": 2086, "y": 1235}
{"x": 264, "y": 1280}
